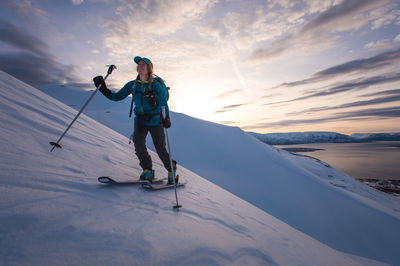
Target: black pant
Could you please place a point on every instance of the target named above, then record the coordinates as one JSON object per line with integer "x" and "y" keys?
{"x": 158, "y": 136}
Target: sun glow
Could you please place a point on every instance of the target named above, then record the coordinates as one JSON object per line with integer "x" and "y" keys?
{"x": 197, "y": 101}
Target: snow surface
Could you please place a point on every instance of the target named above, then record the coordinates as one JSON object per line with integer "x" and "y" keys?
{"x": 53, "y": 211}
{"x": 303, "y": 192}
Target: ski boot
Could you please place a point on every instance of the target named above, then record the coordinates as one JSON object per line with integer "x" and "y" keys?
{"x": 147, "y": 174}
{"x": 172, "y": 174}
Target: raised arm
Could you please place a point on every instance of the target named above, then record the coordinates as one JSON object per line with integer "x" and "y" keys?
{"x": 114, "y": 96}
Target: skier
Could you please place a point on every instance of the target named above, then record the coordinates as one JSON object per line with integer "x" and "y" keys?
{"x": 149, "y": 95}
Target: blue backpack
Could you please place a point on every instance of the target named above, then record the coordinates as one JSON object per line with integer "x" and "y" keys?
{"x": 153, "y": 93}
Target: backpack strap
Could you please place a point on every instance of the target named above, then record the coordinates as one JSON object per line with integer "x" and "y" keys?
{"x": 161, "y": 81}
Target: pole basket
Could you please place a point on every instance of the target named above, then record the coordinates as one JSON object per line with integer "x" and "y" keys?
{"x": 55, "y": 145}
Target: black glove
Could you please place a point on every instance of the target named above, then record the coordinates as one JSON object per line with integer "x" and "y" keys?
{"x": 166, "y": 122}
{"x": 103, "y": 88}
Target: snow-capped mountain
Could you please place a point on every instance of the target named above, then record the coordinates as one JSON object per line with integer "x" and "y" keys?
{"x": 321, "y": 137}
{"x": 54, "y": 211}
{"x": 376, "y": 136}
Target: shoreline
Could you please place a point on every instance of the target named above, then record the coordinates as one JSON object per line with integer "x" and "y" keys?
{"x": 388, "y": 186}
{"x": 302, "y": 149}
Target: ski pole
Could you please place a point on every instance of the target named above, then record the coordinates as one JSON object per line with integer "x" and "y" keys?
{"x": 57, "y": 143}
{"x": 177, "y": 206}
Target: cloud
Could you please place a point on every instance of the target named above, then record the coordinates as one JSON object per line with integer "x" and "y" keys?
{"x": 320, "y": 31}
{"x": 228, "y": 93}
{"x": 385, "y": 44}
{"x": 26, "y": 11}
{"x": 348, "y": 86}
{"x": 378, "y": 112}
{"x": 387, "y": 92}
{"x": 380, "y": 100}
{"x": 30, "y": 17}
{"x": 161, "y": 30}
{"x": 386, "y": 19}
{"x": 377, "y": 62}
{"x": 156, "y": 18}
{"x": 229, "y": 108}
{"x": 77, "y": 2}
{"x": 35, "y": 69}
{"x": 240, "y": 30}
{"x": 229, "y": 123}
{"x": 389, "y": 112}
{"x": 29, "y": 59}
{"x": 244, "y": 24}
{"x": 16, "y": 37}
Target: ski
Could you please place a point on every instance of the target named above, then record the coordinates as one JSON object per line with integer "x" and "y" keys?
{"x": 109, "y": 180}
{"x": 163, "y": 185}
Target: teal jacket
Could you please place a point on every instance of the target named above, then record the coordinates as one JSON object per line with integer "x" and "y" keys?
{"x": 144, "y": 113}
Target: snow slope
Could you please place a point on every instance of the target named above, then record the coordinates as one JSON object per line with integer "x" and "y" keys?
{"x": 303, "y": 192}
{"x": 100, "y": 108}
{"x": 53, "y": 211}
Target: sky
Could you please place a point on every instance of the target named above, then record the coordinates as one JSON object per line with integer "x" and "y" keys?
{"x": 263, "y": 66}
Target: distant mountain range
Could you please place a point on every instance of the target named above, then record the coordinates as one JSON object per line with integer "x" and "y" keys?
{"x": 322, "y": 137}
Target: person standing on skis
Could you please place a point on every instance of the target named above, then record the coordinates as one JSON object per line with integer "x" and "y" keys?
{"x": 149, "y": 96}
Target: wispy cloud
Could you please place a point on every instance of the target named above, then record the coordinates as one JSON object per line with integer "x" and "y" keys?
{"x": 384, "y": 44}
{"x": 380, "y": 112}
{"x": 34, "y": 19}
{"x": 230, "y": 123}
{"x": 229, "y": 108}
{"x": 377, "y": 62}
{"x": 320, "y": 31}
{"x": 26, "y": 11}
{"x": 228, "y": 93}
{"x": 141, "y": 26}
{"x": 29, "y": 59}
{"x": 386, "y": 92}
{"x": 77, "y": 2}
{"x": 17, "y": 37}
{"x": 375, "y": 113}
{"x": 347, "y": 86}
{"x": 388, "y": 58}
{"x": 380, "y": 100}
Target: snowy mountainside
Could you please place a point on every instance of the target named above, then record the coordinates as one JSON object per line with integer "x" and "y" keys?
{"x": 376, "y": 136}
{"x": 301, "y": 137}
{"x": 322, "y": 137}
{"x": 303, "y": 192}
{"x": 53, "y": 210}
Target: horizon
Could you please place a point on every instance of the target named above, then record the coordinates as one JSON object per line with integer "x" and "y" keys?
{"x": 328, "y": 132}
{"x": 267, "y": 67}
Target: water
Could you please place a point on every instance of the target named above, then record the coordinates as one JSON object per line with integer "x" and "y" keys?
{"x": 377, "y": 160}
